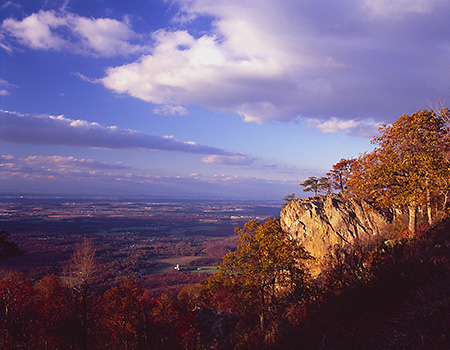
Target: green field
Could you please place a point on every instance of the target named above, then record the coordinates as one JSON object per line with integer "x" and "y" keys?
{"x": 168, "y": 264}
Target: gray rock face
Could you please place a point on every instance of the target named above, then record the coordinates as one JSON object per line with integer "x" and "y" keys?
{"x": 321, "y": 222}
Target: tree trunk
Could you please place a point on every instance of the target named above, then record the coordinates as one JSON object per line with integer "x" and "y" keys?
{"x": 84, "y": 326}
{"x": 412, "y": 209}
{"x": 429, "y": 214}
{"x": 444, "y": 205}
{"x": 262, "y": 315}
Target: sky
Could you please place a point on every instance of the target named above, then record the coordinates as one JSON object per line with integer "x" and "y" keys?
{"x": 207, "y": 99}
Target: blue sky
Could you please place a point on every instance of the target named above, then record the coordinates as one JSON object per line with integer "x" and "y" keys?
{"x": 225, "y": 98}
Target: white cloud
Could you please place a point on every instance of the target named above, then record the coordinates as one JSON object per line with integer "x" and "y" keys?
{"x": 238, "y": 159}
{"x": 171, "y": 110}
{"x": 332, "y": 125}
{"x": 60, "y": 130}
{"x": 353, "y": 127}
{"x": 278, "y": 60}
{"x": 57, "y": 174}
{"x": 35, "y": 30}
{"x": 50, "y": 30}
{"x": 47, "y": 162}
{"x": 85, "y": 78}
{"x": 5, "y": 86}
{"x": 266, "y": 60}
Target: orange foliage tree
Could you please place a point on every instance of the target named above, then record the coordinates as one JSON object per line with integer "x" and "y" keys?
{"x": 408, "y": 168}
{"x": 266, "y": 269}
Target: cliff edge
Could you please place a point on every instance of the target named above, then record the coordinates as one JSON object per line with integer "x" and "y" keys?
{"x": 321, "y": 222}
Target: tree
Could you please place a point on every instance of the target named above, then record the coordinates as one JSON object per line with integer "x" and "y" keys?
{"x": 80, "y": 276}
{"x": 324, "y": 185}
{"x": 56, "y": 317}
{"x": 340, "y": 173}
{"x": 124, "y": 318}
{"x": 289, "y": 198}
{"x": 165, "y": 315}
{"x": 266, "y": 268}
{"x": 408, "y": 168}
{"x": 17, "y": 312}
{"x": 8, "y": 248}
{"x": 315, "y": 184}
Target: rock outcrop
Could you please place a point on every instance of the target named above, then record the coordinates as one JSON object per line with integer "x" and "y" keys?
{"x": 321, "y": 222}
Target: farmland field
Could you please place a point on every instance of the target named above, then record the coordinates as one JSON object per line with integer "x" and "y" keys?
{"x": 134, "y": 238}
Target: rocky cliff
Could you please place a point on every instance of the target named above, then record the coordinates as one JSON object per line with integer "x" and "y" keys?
{"x": 323, "y": 221}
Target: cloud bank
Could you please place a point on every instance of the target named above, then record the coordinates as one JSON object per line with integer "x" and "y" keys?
{"x": 363, "y": 60}
{"x": 280, "y": 60}
{"x": 59, "y": 130}
{"x": 62, "y": 175}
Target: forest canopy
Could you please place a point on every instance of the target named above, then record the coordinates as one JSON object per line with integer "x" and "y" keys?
{"x": 409, "y": 168}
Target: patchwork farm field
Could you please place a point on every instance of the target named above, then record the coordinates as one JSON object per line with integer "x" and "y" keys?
{"x": 135, "y": 238}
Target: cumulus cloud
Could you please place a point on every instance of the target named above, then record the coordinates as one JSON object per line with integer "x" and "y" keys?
{"x": 280, "y": 60}
{"x": 266, "y": 60}
{"x": 57, "y": 31}
{"x": 60, "y": 130}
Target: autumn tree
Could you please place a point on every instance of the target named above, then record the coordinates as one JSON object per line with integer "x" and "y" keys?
{"x": 444, "y": 114}
{"x": 80, "y": 276}
{"x": 340, "y": 173}
{"x": 124, "y": 317}
{"x": 56, "y": 316}
{"x": 17, "y": 312}
{"x": 408, "y": 168}
{"x": 165, "y": 315}
{"x": 266, "y": 268}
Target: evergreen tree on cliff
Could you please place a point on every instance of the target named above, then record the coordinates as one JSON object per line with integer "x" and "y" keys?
{"x": 316, "y": 185}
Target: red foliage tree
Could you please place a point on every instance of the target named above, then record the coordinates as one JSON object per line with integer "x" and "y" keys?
{"x": 17, "y": 312}
{"x": 55, "y": 311}
{"x": 340, "y": 173}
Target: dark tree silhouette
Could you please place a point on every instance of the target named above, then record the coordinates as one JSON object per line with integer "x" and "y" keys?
{"x": 8, "y": 248}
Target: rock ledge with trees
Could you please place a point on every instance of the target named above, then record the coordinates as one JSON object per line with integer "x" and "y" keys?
{"x": 319, "y": 223}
